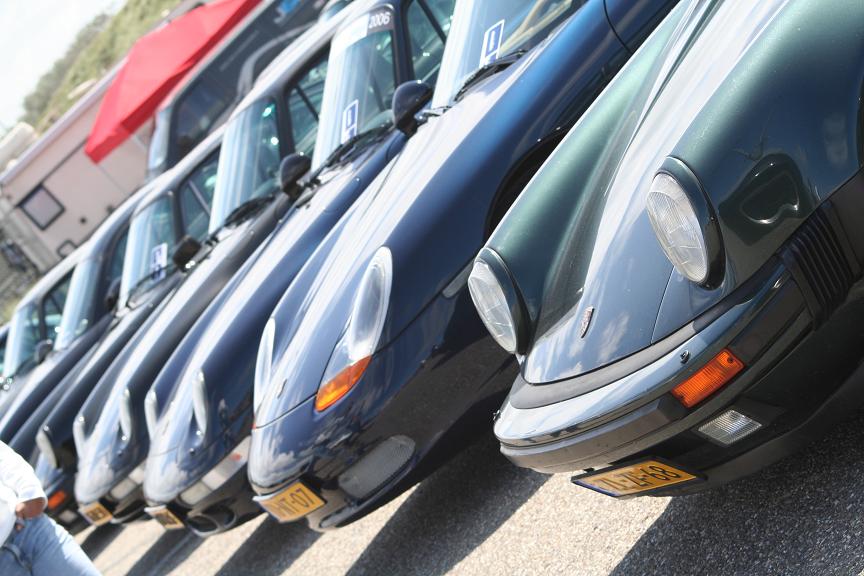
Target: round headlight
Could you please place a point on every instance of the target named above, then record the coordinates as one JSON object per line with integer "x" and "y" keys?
{"x": 199, "y": 402}
{"x": 151, "y": 412}
{"x": 126, "y": 415}
{"x": 499, "y": 306}
{"x": 677, "y": 227}
{"x": 264, "y": 362}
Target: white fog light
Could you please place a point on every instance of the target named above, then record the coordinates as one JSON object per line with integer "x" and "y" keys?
{"x": 123, "y": 489}
{"x": 729, "y": 427}
{"x": 677, "y": 227}
{"x": 194, "y": 494}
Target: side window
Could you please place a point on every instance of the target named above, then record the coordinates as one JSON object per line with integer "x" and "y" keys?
{"x": 304, "y": 106}
{"x": 52, "y": 306}
{"x": 115, "y": 262}
{"x": 428, "y": 24}
{"x": 196, "y": 197}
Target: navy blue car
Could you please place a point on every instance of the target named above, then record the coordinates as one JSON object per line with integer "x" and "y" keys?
{"x": 195, "y": 472}
{"x": 375, "y": 367}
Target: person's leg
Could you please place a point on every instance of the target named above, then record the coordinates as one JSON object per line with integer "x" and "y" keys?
{"x": 11, "y": 562}
{"x": 50, "y": 550}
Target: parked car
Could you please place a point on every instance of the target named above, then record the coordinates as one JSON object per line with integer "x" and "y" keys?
{"x": 690, "y": 311}
{"x": 199, "y": 411}
{"x": 174, "y": 206}
{"x": 205, "y": 99}
{"x": 374, "y": 368}
{"x": 277, "y": 118}
{"x": 34, "y": 326}
{"x": 87, "y": 314}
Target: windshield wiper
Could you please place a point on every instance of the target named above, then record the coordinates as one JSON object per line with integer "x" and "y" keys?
{"x": 144, "y": 280}
{"x": 488, "y": 70}
{"x": 247, "y": 209}
{"x": 342, "y": 150}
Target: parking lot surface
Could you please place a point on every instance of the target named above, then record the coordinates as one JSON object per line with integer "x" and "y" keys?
{"x": 481, "y": 515}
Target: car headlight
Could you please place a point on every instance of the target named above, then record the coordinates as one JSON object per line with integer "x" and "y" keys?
{"x": 126, "y": 414}
{"x": 354, "y": 350}
{"x": 264, "y": 363}
{"x": 498, "y": 302}
{"x": 151, "y": 413}
{"x": 43, "y": 442}
{"x": 199, "y": 402}
{"x": 79, "y": 435}
{"x": 683, "y": 223}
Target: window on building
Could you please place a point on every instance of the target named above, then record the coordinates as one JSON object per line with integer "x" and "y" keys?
{"x": 41, "y": 207}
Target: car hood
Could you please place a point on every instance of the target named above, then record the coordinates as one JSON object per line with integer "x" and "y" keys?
{"x": 596, "y": 284}
{"x": 431, "y": 205}
{"x": 107, "y": 454}
{"x": 226, "y": 348}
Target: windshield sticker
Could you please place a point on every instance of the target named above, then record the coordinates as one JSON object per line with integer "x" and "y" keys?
{"x": 380, "y": 20}
{"x": 158, "y": 261}
{"x": 349, "y": 121}
{"x": 492, "y": 40}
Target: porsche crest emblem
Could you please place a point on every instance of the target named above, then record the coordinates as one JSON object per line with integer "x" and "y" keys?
{"x": 586, "y": 321}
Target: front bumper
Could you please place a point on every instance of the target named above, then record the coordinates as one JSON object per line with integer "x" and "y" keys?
{"x": 802, "y": 371}
{"x": 117, "y": 510}
{"x": 222, "y": 509}
{"x": 420, "y": 400}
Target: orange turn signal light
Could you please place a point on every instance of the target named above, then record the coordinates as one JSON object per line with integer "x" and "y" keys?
{"x": 56, "y": 499}
{"x": 336, "y": 388}
{"x": 708, "y": 379}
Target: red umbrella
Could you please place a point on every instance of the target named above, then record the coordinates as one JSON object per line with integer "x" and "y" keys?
{"x": 154, "y": 66}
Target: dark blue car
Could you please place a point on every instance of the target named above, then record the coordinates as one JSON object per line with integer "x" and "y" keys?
{"x": 195, "y": 472}
{"x": 375, "y": 367}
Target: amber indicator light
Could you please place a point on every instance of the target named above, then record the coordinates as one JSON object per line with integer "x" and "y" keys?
{"x": 710, "y": 378}
{"x": 336, "y": 388}
{"x": 56, "y": 499}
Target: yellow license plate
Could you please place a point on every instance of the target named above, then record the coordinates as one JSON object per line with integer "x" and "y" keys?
{"x": 96, "y": 514}
{"x": 634, "y": 478}
{"x": 291, "y": 503}
{"x": 166, "y": 518}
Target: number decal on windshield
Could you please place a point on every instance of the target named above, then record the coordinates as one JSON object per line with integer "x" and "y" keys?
{"x": 492, "y": 40}
{"x": 349, "y": 121}
{"x": 158, "y": 261}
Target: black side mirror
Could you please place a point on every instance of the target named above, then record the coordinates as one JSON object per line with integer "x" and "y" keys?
{"x": 42, "y": 350}
{"x": 408, "y": 100}
{"x": 292, "y": 168}
{"x": 185, "y": 251}
{"x": 112, "y": 295}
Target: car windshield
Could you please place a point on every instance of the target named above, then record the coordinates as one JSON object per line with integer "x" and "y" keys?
{"x": 152, "y": 239}
{"x": 249, "y": 161}
{"x": 361, "y": 80}
{"x": 80, "y": 309}
{"x": 157, "y": 155}
{"x": 486, "y": 30}
{"x": 23, "y": 337}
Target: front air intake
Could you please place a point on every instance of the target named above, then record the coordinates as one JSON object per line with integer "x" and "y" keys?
{"x": 821, "y": 260}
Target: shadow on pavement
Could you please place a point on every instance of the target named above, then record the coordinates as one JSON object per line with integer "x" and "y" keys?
{"x": 804, "y": 515}
{"x": 450, "y": 513}
{"x": 99, "y": 539}
{"x": 271, "y": 549}
{"x": 167, "y": 553}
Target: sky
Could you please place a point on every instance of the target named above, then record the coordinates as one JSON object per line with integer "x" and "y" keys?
{"x": 33, "y": 35}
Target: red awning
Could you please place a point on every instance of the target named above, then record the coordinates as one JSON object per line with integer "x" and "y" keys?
{"x": 154, "y": 66}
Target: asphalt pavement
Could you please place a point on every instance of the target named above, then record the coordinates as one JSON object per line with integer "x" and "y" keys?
{"x": 481, "y": 515}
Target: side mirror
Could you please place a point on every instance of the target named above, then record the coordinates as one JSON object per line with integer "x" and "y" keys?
{"x": 112, "y": 295}
{"x": 185, "y": 251}
{"x": 408, "y": 100}
{"x": 292, "y": 168}
{"x": 42, "y": 350}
